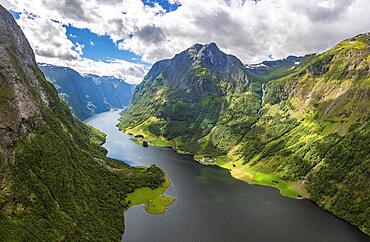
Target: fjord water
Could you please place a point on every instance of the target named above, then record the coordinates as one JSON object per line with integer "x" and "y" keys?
{"x": 212, "y": 206}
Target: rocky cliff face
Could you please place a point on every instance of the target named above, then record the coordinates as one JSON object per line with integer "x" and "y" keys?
{"x": 89, "y": 94}
{"x": 56, "y": 183}
{"x": 198, "y": 72}
{"x": 303, "y": 130}
{"x": 189, "y": 90}
{"x": 21, "y": 93}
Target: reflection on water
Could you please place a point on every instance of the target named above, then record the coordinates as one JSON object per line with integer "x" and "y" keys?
{"x": 212, "y": 206}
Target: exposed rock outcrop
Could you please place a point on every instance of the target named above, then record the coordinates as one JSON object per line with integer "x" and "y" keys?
{"x": 21, "y": 94}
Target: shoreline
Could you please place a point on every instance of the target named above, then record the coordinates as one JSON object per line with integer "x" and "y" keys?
{"x": 154, "y": 200}
{"x": 250, "y": 176}
{"x": 255, "y": 176}
{"x": 251, "y": 182}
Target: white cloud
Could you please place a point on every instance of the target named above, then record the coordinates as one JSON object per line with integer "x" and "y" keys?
{"x": 48, "y": 38}
{"x": 47, "y": 35}
{"x": 253, "y": 31}
{"x": 248, "y": 30}
{"x": 132, "y": 73}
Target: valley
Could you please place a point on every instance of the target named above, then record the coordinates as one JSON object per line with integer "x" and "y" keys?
{"x": 211, "y": 205}
{"x": 300, "y": 128}
{"x": 88, "y": 94}
{"x": 125, "y": 121}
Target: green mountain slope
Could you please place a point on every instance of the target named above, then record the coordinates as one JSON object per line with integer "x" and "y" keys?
{"x": 56, "y": 183}
{"x": 187, "y": 95}
{"x": 305, "y": 133}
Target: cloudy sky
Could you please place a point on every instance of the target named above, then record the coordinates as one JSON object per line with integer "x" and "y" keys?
{"x": 125, "y": 37}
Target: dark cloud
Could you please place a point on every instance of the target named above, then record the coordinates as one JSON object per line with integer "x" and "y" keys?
{"x": 72, "y": 9}
{"x": 221, "y": 27}
{"x": 136, "y": 71}
{"x": 150, "y": 34}
{"x": 116, "y": 25}
{"x": 321, "y": 13}
{"x": 51, "y": 53}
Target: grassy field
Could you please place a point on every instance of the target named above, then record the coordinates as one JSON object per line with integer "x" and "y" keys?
{"x": 154, "y": 199}
{"x": 285, "y": 187}
{"x": 159, "y": 204}
{"x": 141, "y": 130}
{"x": 252, "y": 175}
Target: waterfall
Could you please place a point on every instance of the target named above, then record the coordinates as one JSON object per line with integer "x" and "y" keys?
{"x": 263, "y": 89}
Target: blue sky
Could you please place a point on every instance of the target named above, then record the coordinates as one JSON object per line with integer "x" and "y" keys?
{"x": 164, "y": 3}
{"x": 15, "y": 14}
{"x": 125, "y": 38}
{"x": 101, "y": 47}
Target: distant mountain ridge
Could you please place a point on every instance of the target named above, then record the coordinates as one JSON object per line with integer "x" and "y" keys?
{"x": 273, "y": 69}
{"x": 88, "y": 94}
{"x": 267, "y": 66}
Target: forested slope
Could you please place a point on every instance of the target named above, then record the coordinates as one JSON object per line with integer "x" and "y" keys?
{"x": 56, "y": 183}
{"x": 304, "y": 130}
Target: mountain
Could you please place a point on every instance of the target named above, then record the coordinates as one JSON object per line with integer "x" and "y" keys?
{"x": 56, "y": 183}
{"x": 305, "y": 131}
{"x": 274, "y": 69}
{"x": 89, "y": 94}
{"x": 267, "y": 66}
{"x": 196, "y": 73}
{"x": 186, "y": 94}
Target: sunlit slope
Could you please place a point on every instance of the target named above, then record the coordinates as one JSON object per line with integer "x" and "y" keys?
{"x": 307, "y": 133}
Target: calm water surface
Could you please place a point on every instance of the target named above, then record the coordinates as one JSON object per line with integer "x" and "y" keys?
{"x": 212, "y": 206}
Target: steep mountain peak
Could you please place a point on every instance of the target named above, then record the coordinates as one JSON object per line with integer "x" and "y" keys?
{"x": 210, "y": 54}
{"x": 198, "y": 47}
{"x": 201, "y": 70}
{"x": 210, "y": 47}
{"x": 201, "y": 52}
{"x": 195, "y": 47}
